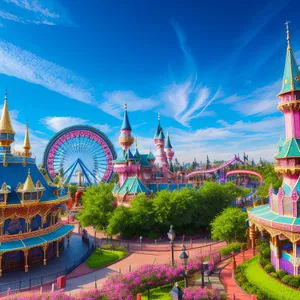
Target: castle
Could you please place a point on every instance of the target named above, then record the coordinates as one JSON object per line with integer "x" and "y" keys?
{"x": 145, "y": 173}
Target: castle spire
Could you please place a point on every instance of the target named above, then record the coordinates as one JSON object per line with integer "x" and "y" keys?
{"x": 126, "y": 123}
{"x": 168, "y": 144}
{"x": 291, "y": 76}
{"x": 28, "y": 185}
{"x": 5, "y": 124}
{"x": 26, "y": 144}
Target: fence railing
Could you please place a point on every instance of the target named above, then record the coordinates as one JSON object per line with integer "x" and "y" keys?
{"x": 160, "y": 246}
{"x": 30, "y": 283}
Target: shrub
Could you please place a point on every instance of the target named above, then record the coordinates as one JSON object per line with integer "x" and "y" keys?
{"x": 294, "y": 283}
{"x": 269, "y": 268}
{"x": 107, "y": 247}
{"x": 263, "y": 262}
{"x": 281, "y": 273}
{"x": 235, "y": 247}
{"x": 287, "y": 278}
{"x": 274, "y": 274}
{"x": 121, "y": 248}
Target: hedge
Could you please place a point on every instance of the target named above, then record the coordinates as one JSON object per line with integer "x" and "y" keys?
{"x": 235, "y": 247}
{"x": 254, "y": 280}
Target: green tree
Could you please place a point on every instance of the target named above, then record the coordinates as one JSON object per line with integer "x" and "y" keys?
{"x": 56, "y": 179}
{"x": 230, "y": 225}
{"x": 72, "y": 190}
{"x": 142, "y": 215}
{"x": 120, "y": 222}
{"x": 115, "y": 178}
{"x": 98, "y": 206}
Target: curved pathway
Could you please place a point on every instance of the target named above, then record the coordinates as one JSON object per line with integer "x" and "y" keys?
{"x": 227, "y": 280}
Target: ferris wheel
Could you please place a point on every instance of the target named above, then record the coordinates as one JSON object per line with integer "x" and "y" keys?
{"x": 80, "y": 150}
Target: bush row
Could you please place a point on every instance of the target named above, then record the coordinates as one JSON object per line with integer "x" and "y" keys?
{"x": 233, "y": 247}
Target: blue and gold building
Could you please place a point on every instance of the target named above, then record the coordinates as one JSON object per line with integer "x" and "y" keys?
{"x": 31, "y": 231}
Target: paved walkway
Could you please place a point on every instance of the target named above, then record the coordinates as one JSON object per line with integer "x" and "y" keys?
{"x": 226, "y": 277}
{"x": 132, "y": 262}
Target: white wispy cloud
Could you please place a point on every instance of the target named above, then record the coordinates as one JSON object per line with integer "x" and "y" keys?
{"x": 261, "y": 101}
{"x": 24, "y": 65}
{"x": 35, "y": 13}
{"x": 113, "y": 103}
{"x": 58, "y": 123}
{"x": 186, "y": 100}
{"x": 8, "y": 16}
{"x": 35, "y": 6}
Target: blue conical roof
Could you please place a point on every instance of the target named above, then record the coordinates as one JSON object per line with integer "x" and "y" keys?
{"x": 150, "y": 156}
{"x": 129, "y": 154}
{"x": 137, "y": 153}
{"x": 161, "y": 135}
{"x": 126, "y": 123}
{"x": 291, "y": 75}
{"x": 168, "y": 144}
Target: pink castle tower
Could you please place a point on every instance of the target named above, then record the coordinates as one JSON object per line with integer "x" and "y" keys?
{"x": 159, "y": 141}
{"x": 124, "y": 164}
{"x": 125, "y": 138}
{"x": 281, "y": 217}
{"x": 287, "y": 160}
{"x": 168, "y": 149}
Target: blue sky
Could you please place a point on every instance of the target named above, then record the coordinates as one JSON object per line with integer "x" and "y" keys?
{"x": 211, "y": 68}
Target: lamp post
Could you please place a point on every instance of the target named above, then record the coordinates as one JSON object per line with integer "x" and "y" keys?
{"x": 141, "y": 239}
{"x": 171, "y": 236}
{"x": 184, "y": 259}
{"x": 95, "y": 238}
{"x": 202, "y": 274}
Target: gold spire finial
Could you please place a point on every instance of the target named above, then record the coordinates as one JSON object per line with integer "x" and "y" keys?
{"x": 26, "y": 145}
{"x": 136, "y": 142}
{"x": 28, "y": 185}
{"x": 125, "y": 106}
{"x": 5, "y": 124}
{"x": 288, "y": 38}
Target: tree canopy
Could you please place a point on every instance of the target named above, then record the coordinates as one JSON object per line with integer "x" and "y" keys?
{"x": 98, "y": 206}
{"x": 187, "y": 210}
{"x": 230, "y": 225}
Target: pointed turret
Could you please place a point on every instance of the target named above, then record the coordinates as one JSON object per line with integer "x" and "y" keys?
{"x": 7, "y": 134}
{"x": 28, "y": 185}
{"x": 158, "y": 129}
{"x": 168, "y": 144}
{"x": 125, "y": 138}
{"x": 291, "y": 75}
{"x": 126, "y": 123}
{"x": 280, "y": 144}
{"x": 26, "y": 144}
{"x": 136, "y": 153}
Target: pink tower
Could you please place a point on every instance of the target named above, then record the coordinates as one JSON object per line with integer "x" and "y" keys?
{"x": 287, "y": 160}
{"x": 168, "y": 149}
{"x": 125, "y": 138}
{"x": 124, "y": 164}
{"x": 159, "y": 141}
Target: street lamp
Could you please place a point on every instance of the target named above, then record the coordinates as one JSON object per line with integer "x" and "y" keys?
{"x": 95, "y": 238}
{"x": 171, "y": 236}
{"x": 141, "y": 239}
{"x": 184, "y": 259}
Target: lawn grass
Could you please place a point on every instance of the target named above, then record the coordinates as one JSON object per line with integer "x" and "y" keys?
{"x": 161, "y": 292}
{"x": 103, "y": 257}
{"x": 259, "y": 278}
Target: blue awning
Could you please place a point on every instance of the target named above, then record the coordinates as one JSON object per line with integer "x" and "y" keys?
{"x": 36, "y": 241}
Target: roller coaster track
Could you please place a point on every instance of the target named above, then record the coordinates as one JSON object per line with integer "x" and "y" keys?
{"x": 216, "y": 169}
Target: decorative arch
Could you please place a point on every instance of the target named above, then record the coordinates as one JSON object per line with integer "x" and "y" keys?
{"x": 248, "y": 172}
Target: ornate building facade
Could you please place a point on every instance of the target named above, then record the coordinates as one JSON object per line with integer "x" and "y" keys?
{"x": 31, "y": 231}
{"x": 281, "y": 217}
